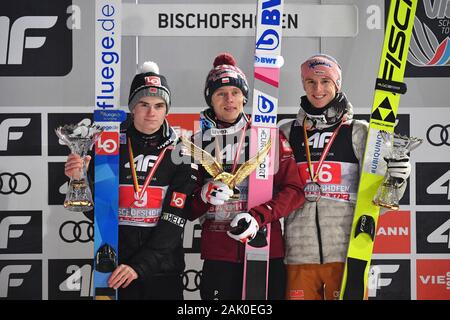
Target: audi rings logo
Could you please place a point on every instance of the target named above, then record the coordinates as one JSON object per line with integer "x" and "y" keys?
{"x": 191, "y": 280}
{"x": 82, "y": 231}
{"x": 18, "y": 183}
{"x": 438, "y": 135}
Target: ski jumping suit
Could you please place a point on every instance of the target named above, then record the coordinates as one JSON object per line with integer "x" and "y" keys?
{"x": 317, "y": 234}
{"x": 223, "y": 256}
{"x": 151, "y": 229}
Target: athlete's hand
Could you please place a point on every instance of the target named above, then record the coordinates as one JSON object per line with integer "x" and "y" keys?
{"x": 399, "y": 168}
{"x": 216, "y": 193}
{"x": 243, "y": 227}
{"x": 74, "y": 163}
{"x": 122, "y": 277}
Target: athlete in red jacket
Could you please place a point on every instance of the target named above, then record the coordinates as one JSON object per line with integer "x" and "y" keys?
{"x": 225, "y": 134}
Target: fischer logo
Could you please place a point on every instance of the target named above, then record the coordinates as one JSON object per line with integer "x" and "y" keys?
{"x": 441, "y": 234}
{"x": 18, "y": 41}
{"x": 6, "y": 135}
{"x": 6, "y": 233}
{"x": 7, "y": 280}
{"x": 397, "y": 40}
{"x": 80, "y": 280}
{"x": 376, "y": 280}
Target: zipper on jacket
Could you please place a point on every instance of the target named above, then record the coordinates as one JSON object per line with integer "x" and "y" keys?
{"x": 319, "y": 236}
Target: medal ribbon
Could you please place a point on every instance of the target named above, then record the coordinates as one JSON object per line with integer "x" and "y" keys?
{"x": 324, "y": 153}
{"x": 238, "y": 151}
{"x": 140, "y": 192}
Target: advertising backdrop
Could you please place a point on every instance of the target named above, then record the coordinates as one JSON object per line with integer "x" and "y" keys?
{"x": 47, "y": 79}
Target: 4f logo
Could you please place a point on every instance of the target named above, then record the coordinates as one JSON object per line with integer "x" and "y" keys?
{"x": 79, "y": 280}
{"x": 376, "y": 279}
{"x": 36, "y": 40}
{"x": 18, "y": 41}
{"x": 441, "y": 185}
{"x": 7, "y": 233}
{"x": 433, "y": 183}
{"x": 20, "y": 134}
{"x": 12, "y": 276}
{"x": 389, "y": 280}
{"x": 20, "y": 232}
{"x": 319, "y": 140}
{"x": 6, "y": 134}
{"x": 441, "y": 234}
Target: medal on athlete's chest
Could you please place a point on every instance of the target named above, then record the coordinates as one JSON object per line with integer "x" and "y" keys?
{"x": 312, "y": 191}
{"x": 312, "y": 188}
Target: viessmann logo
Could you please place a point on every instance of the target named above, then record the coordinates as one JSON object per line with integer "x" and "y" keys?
{"x": 36, "y": 37}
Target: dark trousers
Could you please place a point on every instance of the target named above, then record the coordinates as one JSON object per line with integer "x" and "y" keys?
{"x": 222, "y": 280}
{"x": 168, "y": 287}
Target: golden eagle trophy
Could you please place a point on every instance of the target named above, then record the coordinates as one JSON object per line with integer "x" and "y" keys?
{"x": 215, "y": 169}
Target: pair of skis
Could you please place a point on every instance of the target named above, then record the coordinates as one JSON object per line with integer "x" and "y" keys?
{"x": 108, "y": 116}
{"x": 389, "y": 86}
{"x": 268, "y": 62}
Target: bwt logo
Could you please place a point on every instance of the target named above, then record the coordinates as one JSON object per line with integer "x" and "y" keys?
{"x": 36, "y": 40}
{"x": 6, "y": 135}
{"x": 265, "y": 107}
{"x": 270, "y": 17}
{"x": 9, "y": 277}
{"x": 376, "y": 281}
{"x": 6, "y": 233}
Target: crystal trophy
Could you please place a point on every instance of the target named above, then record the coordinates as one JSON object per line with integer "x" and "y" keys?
{"x": 79, "y": 138}
{"x": 399, "y": 146}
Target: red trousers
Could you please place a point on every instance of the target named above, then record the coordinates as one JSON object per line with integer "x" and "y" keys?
{"x": 314, "y": 281}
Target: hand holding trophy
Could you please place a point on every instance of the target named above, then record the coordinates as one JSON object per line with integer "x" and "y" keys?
{"x": 399, "y": 146}
{"x": 79, "y": 138}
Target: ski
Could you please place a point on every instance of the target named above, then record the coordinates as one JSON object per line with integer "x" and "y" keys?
{"x": 108, "y": 117}
{"x": 263, "y": 130}
{"x": 389, "y": 86}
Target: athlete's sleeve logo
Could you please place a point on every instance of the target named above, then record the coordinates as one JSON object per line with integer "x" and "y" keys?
{"x": 178, "y": 200}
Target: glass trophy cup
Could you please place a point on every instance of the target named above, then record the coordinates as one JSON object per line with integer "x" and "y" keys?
{"x": 79, "y": 138}
{"x": 399, "y": 146}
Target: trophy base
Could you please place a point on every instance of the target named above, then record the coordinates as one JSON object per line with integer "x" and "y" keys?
{"x": 78, "y": 206}
{"x": 391, "y": 206}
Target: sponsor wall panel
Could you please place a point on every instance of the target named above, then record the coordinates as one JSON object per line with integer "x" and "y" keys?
{"x": 433, "y": 279}
{"x": 60, "y": 236}
{"x": 21, "y": 279}
{"x": 389, "y": 280}
{"x": 393, "y": 233}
